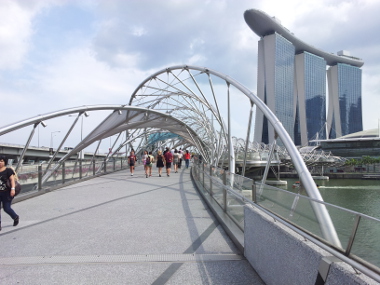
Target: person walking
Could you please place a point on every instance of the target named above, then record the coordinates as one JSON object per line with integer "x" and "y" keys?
{"x": 168, "y": 158}
{"x": 175, "y": 160}
{"x": 6, "y": 194}
{"x": 132, "y": 161}
{"x": 150, "y": 160}
{"x": 160, "y": 162}
{"x": 180, "y": 153}
{"x": 186, "y": 156}
{"x": 144, "y": 160}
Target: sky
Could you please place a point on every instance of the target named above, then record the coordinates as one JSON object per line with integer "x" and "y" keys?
{"x": 57, "y": 54}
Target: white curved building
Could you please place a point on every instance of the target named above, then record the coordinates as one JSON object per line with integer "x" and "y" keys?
{"x": 292, "y": 82}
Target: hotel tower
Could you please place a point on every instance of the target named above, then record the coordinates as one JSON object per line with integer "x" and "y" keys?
{"x": 291, "y": 80}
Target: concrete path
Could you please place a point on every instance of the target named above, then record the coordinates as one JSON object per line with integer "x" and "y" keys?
{"x": 120, "y": 229}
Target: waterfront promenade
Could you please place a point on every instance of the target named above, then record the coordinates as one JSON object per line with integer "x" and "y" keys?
{"x": 120, "y": 229}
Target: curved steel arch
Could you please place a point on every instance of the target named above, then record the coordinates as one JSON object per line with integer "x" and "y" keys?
{"x": 122, "y": 118}
{"x": 178, "y": 87}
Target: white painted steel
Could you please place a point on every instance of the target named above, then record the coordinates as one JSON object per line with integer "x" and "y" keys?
{"x": 322, "y": 215}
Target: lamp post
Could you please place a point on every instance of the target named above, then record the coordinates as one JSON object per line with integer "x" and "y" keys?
{"x": 81, "y": 156}
{"x": 51, "y": 138}
{"x": 51, "y": 141}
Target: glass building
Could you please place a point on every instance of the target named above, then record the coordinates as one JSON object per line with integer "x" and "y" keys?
{"x": 275, "y": 82}
{"x": 345, "y": 115}
{"x": 291, "y": 80}
{"x": 310, "y": 98}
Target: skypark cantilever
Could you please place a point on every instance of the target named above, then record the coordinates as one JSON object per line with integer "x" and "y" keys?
{"x": 262, "y": 24}
{"x": 291, "y": 80}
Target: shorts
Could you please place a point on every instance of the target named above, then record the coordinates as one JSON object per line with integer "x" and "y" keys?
{"x": 168, "y": 165}
{"x": 131, "y": 164}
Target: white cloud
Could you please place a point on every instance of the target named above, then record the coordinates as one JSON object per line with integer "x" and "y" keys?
{"x": 15, "y": 33}
{"x": 77, "y": 77}
{"x": 125, "y": 47}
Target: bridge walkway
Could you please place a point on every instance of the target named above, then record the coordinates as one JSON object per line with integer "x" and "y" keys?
{"x": 120, "y": 229}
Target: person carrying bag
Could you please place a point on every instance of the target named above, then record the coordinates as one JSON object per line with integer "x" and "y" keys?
{"x": 7, "y": 176}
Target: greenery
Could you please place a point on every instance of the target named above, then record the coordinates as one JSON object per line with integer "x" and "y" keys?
{"x": 365, "y": 160}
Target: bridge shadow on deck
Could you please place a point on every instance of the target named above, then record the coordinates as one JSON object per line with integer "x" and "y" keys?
{"x": 120, "y": 229}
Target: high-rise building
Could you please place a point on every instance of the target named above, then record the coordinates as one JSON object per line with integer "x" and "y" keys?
{"x": 310, "y": 98}
{"x": 291, "y": 80}
{"x": 345, "y": 99}
{"x": 276, "y": 77}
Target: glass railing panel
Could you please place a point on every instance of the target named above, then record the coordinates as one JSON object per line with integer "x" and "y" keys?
{"x": 235, "y": 209}
{"x": 217, "y": 191}
{"x": 366, "y": 244}
{"x": 86, "y": 169}
{"x": 271, "y": 198}
{"x": 109, "y": 166}
{"x": 343, "y": 221}
{"x": 206, "y": 182}
{"x": 219, "y": 172}
{"x": 292, "y": 207}
{"x": 118, "y": 164}
{"x": 54, "y": 179}
{"x": 28, "y": 179}
{"x": 300, "y": 210}
{"x": 243, "y": 186}
{"x": 69, "y": 173}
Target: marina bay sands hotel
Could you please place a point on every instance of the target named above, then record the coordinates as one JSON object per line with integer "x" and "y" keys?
{"x": 292, "y": 78}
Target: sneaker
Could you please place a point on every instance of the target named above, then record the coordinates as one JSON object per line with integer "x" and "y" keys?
{"x": 132, "y": 174}
{"x": 159, "y": 175}
{"x": 15, "y": 221}
{"x": 147, "y": 176}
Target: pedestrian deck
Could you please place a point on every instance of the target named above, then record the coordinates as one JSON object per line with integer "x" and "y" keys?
{"x": 120, "y": 229}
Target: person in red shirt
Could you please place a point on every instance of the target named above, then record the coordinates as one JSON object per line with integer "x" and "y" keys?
{"x": 186, "y": 156}
{"x": 168, "y": 158}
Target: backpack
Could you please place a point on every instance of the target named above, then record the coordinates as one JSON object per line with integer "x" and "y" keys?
{"x": 147, "y": 161}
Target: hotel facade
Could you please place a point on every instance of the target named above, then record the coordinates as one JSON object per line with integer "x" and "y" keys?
{"x": 291, "y": 80}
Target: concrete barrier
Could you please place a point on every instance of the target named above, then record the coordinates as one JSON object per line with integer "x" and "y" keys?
{"x": 281, "y": 256}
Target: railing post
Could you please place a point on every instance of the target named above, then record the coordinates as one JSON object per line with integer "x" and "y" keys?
{"x": 352, "y": 236}
{"x": 39, "y": 169}
{"x": 93, "y": 167}
{"x": 63, "y": 172}
{"x": 121, "y": 163}
{"x": 224, "y": 191}
{"x": 114, "y": 165}
{"x": 211, "y": 193}
{"x": 254, "y": 192}
{"x": 203, "y": 176}
{"x": 80, "y": 169}
{"x": 105, "y": 166}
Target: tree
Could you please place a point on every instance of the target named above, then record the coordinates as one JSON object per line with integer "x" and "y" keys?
{"x": 367, "y": 160}
{"x": 351, "y": 162}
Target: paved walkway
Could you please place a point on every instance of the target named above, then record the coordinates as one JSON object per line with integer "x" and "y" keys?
{"x": 120, "y": 229}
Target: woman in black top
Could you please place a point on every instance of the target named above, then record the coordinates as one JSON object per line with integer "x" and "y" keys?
{"x": 160, "y": 162}
{"x": 6, "y": 195}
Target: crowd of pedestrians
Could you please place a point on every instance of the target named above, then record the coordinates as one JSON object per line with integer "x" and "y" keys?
{"x": 162, "y": 160}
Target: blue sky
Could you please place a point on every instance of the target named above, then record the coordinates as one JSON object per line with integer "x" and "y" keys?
{"x": 60, "y": 54}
